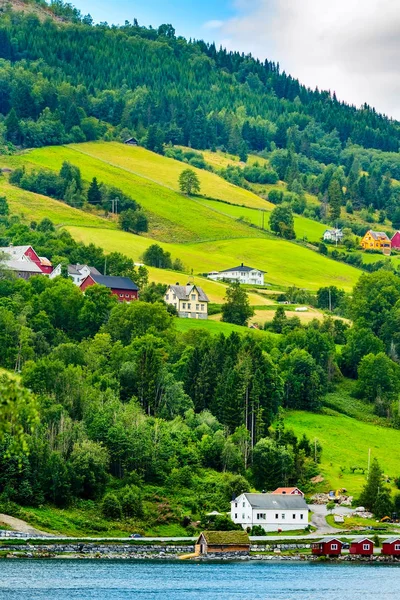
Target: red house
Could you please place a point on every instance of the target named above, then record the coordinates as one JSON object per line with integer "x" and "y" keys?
{"x": 327, "y": 547}
{"x": 396, "y": 241}
{"x": 391, "y": 547}
{"x": 362, "y": 546}
{"x": 291, "y": 491}
{"x": 27, "y": 253}
{"x": 123, "y": 287}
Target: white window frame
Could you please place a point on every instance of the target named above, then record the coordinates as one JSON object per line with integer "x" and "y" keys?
{"x": 397, "y": 547}
{"x": 334, "y": 546}
{"x": 366, "y": 547}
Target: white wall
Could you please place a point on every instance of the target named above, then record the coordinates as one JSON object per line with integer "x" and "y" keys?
{"x": 246, "y": 516}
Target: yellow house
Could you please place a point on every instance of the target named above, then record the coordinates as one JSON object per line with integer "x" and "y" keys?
{"x": 376, "y": 240}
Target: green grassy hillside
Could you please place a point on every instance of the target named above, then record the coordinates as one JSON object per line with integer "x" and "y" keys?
{"x": 286, "y": 263}
{"x": 346, "y": 442}
{"x": 34, "y": 207}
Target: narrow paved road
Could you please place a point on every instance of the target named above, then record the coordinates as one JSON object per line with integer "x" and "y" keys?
{"x": 319, "y": 517}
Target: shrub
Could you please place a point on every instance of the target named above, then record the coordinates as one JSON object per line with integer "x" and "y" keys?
{"x": 111, "y": 507}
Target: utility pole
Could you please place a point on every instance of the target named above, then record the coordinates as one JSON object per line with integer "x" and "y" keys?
{"x": 330, "y": 299}
{"x": 105, "y": 266}
{"x": 116, "y": 200}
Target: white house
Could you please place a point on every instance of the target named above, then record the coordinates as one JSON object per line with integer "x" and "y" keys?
{"x": 241, "y": 273}
{"x": 271, "y": 511}
{"x": 189, "y": 300}
{"x": 77, "y": 273}
{"x": 333, "y": 235}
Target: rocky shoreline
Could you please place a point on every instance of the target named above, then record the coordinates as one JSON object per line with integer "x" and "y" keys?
{"x": 93, "y": 551}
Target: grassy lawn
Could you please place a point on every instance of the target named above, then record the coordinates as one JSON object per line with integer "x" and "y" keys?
{"x": 34, "y": 207}
{"x": 345, "y": 443}
{"x": 217, "y": 327}
{"x": 285, "y": 263}
{"x": 342, "y": 401}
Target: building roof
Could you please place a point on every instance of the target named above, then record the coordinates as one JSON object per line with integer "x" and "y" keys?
{"x": 286, "y": 490}
{"x": 329, "y": 539}
{"x": 377, "y": 235}
{"x": 22, "y": 266}
{"x": 111, "y": 282}
{"x": 45, "y": 261}
{"x": 277, "y": 501}
{"x": 242, "y": 268}
{"x": 391, "y": 540}
{"x": 183, "y": 292}
{"x": 77, "y": 270}
{"x": 226, "y": 538}
{"x": 16, "y": 252}
{"x": 334, "y": 231}
{"x": 361, "y": 538}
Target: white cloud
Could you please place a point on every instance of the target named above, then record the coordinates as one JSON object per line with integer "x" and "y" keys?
{"x": 214, "y": 24}
{"x": 348, "y": 46}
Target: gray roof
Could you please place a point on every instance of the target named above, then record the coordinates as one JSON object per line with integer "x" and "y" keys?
{"x": 21, "y": 266}
{"x": 329, "y": 539}
{"x": 76, "y": 270}
{"x": 277, "y": 501}
{"x": 243, "y": 268}
{"x": 391, "y": 540}
{"x": 361, "y": 538}
{"x": 16, "y": 252}
{"x": 183, "y": 292}
{"x": 120, "y": 283}
{"x": 378, "y": 234}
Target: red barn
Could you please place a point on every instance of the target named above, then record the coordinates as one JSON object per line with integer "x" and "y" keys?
{"x": 362, "y": 546}
{"x": 123, "y": 287}
{"x": 327, "y": 547}
{"x": 396, "y": 241}
{"x": 391, "y": 547}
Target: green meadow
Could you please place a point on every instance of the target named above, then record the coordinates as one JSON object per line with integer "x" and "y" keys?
{"x": 345, "y": 443}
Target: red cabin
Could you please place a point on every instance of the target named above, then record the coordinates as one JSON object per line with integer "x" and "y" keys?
{"x": 391, "y": 547}
{"x": 327, "y": 547}
{"x": 362, "y": 546}
{"x": 122, "y": 287}
{"x": 396, "y": 241}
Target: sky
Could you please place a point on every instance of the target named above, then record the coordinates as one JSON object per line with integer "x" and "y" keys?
{"x": 347, "y": 46}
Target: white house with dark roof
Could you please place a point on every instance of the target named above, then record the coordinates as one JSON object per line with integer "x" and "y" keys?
{"x": 242, "y": 274}
{"x": 271, "y": 511}
{"x": 333, "y": 235}
{"x": 190, "y": 301}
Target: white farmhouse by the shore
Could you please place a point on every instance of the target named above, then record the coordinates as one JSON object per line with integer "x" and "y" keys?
{"x": 242, "y": 274}
{"x": 271, "y": 511}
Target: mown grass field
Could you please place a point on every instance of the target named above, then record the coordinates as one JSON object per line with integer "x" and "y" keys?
{"x": 304, "y": 228}
{"x": 173, "y": 217}
{"x": 345, "y": 443}
{"x": 34, "y": 207}
{"x": 217, "y": 327}
{"x": 285, "y": 263}
{"x": 165, "y": 171}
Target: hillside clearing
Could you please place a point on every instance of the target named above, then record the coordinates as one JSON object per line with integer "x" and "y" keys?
{"x": 345, "y": 443}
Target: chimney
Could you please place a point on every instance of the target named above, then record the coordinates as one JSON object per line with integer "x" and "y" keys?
{"x": 242, "y": 265}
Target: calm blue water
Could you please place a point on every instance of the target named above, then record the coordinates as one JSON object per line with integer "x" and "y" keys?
{"x": 92, "y": 580}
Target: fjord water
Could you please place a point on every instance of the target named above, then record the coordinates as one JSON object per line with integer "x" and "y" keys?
{"x": 119, "y": 580}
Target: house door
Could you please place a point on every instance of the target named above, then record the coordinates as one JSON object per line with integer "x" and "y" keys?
{"x": 202, "y": 549}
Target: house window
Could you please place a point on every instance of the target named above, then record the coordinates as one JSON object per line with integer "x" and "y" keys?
{"x": 202, "y": 307}
{"x": 121, "y": 295}
{"x": 235, "y": 504}
{"x": 167, "y": 296}
{"x": 126, "y": 295}
{"x": 244, "y": 504}
{"x": 334, "y": 546}
{"x": 294, "y": 515}
{"x": 243, "y": 516}
{"x": 260, "y": 516}
{"x": 183, "y": 304}
{"x": 197, "y": 307}
{"x": 283, "y": 516}
{"x": 189, "y": 306}
{"x": 193, "y": 297}
{"x": 365, "y": 546}
{"x": 397, "y": 547}
{"x": 235, "y": 515}
{"x": 301, "y": 517}
{"x": 174, "y": 296}
{"x": 276, "y": 516}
